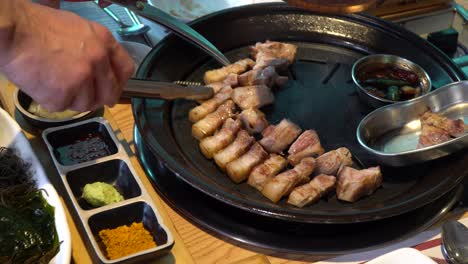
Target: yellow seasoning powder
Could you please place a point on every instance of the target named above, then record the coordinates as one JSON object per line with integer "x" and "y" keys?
{"x": 125, "y": 240}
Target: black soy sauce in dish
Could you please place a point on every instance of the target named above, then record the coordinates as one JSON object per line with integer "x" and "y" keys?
{"x": 90, "y": 147}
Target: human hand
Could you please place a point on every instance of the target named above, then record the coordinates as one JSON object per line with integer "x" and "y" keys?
{"x": 63, "y": 61}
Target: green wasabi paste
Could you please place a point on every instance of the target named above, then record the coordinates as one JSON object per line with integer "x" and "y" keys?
{"x": 100, "y": 193}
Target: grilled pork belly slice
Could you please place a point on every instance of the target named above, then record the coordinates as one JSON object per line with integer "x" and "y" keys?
{"x": 254, "y": 120}
{"x": 306, "y": 145}
{"x": 330, "y": 162}
{"x": 252, "y": 96}
{"x": 354, "y": 184}
{"x": 268, "y": 52}
{"x": 267, "y": 76}
{"x": 267, "y": 131}
{"x": 219, "y": 75}
{"x": 239, "y": 169}
{"x": 324, "y": 183}
{"x": 211, "y": 122}
{"x": 234, "y": 150}
{"x": 210, "y": 105}
{"x": 210, "y": 145}
{"x": 431, "y": 135}
{"x": 267, "y": 170}
{"x": 285, "y": 182}
{"x": 217, "y": 86}
{"x": 232, "y": 80}
{"x": 453, "y": 127}
{"x": 279, "y": 137}
{"x": 281, "y": 65}
{"x": 312, "y": 191}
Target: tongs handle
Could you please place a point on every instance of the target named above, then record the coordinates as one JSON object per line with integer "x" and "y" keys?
{"x": 144, "y": 9}
{"x": 137, "y": 88}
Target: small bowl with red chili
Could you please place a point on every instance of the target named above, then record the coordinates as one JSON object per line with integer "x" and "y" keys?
{"x": 383, "y": 79}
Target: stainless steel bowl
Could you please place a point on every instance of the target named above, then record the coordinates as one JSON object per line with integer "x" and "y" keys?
{"x": 386, "y": 59}
{"x": 391, "y": 133}
{"x": 22, "y": 102}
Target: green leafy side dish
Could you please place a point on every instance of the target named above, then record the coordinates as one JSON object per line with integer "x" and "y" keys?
{"x": 27, "y": 224}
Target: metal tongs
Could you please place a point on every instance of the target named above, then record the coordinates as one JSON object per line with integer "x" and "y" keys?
{"x": 137, "y": 88}
{"x": 143, "y": 9}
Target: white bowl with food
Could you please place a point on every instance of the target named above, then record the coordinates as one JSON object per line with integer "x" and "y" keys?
{"x": 39, "y": 117}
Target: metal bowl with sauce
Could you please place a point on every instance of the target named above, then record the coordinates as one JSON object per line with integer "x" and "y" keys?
{"x": 377, "y": 61}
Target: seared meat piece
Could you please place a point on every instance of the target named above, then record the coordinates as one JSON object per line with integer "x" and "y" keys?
{"x": 234, "y": 150}
{"x": 330, "y": 162}
{"x": 312, "y": 191}
{"x": 306, "y": 145}
{"x": 211, "y": 122}
{"x": 268, "y": 130}
{"x": 266, "y": 53}
{"x": 280, "y": 137}
{"x": 232, "y": 80}
{"x": 239, "y": 169}
{"x": 275, "y": 188}
{"x": 267, "y": 76}
{"x": 325, "y": 183}
{"x": 210, "y": 105}
{"x": 254, "y": 120}
{"x": 220, "y": 75}
{"x": 285, "y": 182}
{"x": 431, "y": 135}
{"x": 210, "y": 145}
{"x": 453, "y": 127}
{"x": 252, "y": 96}
{"x": 280, "y": 64}
{"x": 216, "y": 86}
{"x": 354, "y": 184}
{"x": 275, "y": 49}
{"x": 267, "y": 170}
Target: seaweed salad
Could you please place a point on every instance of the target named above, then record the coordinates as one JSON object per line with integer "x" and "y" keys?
{"x": 27, "y": 225}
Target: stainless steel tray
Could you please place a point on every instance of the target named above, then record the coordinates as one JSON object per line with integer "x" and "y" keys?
{"x": 116, "y": 169}
{"x": 391, "y": 133}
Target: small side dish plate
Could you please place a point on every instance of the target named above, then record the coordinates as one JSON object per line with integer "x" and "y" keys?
{"x": 78, "y": 154}
{"x": 391, "y": 133}
{"x": 11, "y": 136}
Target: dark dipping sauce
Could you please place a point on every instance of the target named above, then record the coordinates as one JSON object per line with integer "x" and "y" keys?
{"x": 90, "y": 147}
{"x": 390, "y": 82}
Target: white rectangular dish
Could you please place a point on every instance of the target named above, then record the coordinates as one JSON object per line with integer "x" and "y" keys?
{"x": 11, "y": 136}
